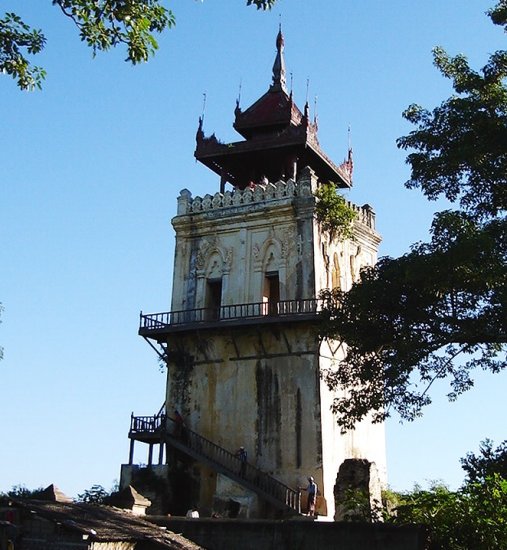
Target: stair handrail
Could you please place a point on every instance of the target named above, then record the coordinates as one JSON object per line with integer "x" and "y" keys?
{"x": 245, "y": 472}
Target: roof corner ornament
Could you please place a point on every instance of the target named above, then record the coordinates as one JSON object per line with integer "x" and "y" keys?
{"x": 306, "y": 115}
{"x": 199, "y": 136}
{"x": 315, "y": 117}
{"x": 237, "y": 110}
{"x": 279, "y": 64}
{"x": 348, "y": 164}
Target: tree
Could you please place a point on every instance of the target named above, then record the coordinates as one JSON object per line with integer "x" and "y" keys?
{"x": 95, "y": 495}
{"x": 20, "y": 491}
{"x": 333, "y": 213}
{"x": 102, "y": 24}
{"x": 438, "y": 311}
{"x": 488, "y": 463}
{"x": 475, "y": 516}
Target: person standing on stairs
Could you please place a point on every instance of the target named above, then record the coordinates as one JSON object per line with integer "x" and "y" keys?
{"x": 241, "y": 454}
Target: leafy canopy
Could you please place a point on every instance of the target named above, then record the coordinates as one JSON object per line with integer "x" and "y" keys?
{"x": 96, "y": 494}
{"x": 15, "y": 38}
{"x": 102, "y": 24}
{"x": 474, "y": 516}
{"x": 438, "y": 311}
{"x": 333, "y": 213}
{"x": 489, "y": 462}
{"x": 20, "y": 491}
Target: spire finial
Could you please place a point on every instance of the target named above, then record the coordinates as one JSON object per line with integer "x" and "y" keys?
{"x": 306, "y": 114}
{"x": 199, "y": 136}
{"x": 238, "y": 100}
{"x": 203, "y": 105}
{"x": 348, "y": 163}
{"x": 279, "y": 64}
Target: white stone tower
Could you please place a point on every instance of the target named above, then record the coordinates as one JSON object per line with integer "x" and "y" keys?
{"x": 244, "y": 361}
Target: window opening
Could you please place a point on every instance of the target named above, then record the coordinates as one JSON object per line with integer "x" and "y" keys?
{"x": 271, "y": 293}
{"x": 213, "y": 299}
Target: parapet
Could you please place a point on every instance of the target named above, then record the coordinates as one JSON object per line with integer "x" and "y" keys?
{"x": 263, "y": 193}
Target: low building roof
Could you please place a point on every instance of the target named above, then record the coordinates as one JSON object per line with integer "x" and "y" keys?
{"x": 101, "y": 523}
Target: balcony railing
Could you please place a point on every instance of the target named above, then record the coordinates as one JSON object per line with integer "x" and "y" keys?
{"x": 268, "y": 311}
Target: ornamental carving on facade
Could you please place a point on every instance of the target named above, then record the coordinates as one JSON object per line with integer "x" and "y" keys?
{"x": 204, "y": 251}
{"x": 287, "y": 235}
{"x": 228, "y": 259}
{"x": 256, "y": 252}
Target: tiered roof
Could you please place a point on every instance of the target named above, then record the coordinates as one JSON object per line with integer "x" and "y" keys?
{"x": 280, "y": 140}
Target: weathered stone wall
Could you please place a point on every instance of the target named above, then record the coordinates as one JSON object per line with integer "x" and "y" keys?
{"x": 238, "y": 236}
{"x": 152, "y": 483}
{"x": 269, "y": 406}
{"x": 220, "y": 534}
{"x": 261, "y": 387}
{"x": 358, "y": 492}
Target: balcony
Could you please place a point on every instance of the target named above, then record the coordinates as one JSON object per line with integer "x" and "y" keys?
{"x": 235, "y": 315}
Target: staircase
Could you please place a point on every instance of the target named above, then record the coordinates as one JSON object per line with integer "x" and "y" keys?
{"x": 165, "y": 430}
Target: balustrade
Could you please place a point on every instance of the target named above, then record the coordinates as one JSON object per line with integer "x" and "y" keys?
{"x": 232, "y": 312}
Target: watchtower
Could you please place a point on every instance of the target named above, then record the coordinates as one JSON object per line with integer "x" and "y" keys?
{"x": 244, "y": 364}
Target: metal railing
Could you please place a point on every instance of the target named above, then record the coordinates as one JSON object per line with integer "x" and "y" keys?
{"x": 228, "y": 462}
{"x": 147, "y": 424}
{"x": 252, "y": 310}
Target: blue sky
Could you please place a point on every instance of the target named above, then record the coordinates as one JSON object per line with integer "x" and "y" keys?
{"x": 90, "y": 171}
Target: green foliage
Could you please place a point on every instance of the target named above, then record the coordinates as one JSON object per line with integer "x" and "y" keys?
{"x": 459, "y": 147}
{"x": 17, "y": 40}
{"x": 95, "y": 495}
{"x": 20, "y": 491}
{"x": 438, "y": 311}
{"x": 106, "y": 23}
{"x": 474, "y": 517}
{"x": 390, "y": 502}
{"x": 498, "y": 14}
{"x": 356, "y": 507}
{"x": 488, "y": 463}
{"x": 261, "y": 4}
{"x": 333, "y": 213}
{"x": 102, "y": 24}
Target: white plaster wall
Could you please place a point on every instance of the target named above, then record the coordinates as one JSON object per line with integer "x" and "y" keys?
{"x": 220, "y": 394}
